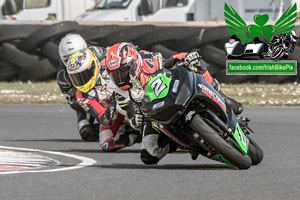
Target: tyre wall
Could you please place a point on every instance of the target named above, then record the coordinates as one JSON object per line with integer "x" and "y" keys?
{"x": 30, "y": 51}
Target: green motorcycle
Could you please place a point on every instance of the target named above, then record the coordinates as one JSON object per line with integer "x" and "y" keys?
{"x": 186, "y": 108}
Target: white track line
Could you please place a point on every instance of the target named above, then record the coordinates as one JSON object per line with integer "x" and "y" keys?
{"x": 85, "y": 161}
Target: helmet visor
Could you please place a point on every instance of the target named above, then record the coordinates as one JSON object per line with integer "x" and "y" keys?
{"x": 120, "y": 76}
{"x": 133, "y": 70}
{"x": 82, "y": 78}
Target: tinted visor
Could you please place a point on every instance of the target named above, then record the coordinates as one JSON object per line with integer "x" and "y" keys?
{"x": 120, "y": 76}
{"x": 82, "y": 78}
{"x": 133, "y": 70}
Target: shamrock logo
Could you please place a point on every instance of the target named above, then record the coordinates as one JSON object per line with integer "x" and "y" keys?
{"x": 237, "y": 26}
{"x": 261, "y": 28}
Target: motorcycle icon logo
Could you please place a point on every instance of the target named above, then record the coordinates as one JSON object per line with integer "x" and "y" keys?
{"x": 260, "y": 39}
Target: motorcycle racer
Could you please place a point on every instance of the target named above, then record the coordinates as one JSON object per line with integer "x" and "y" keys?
{"x": 280, "y": 45}
{"x": 130, "y": 70}
{"x": 95, "y": 94}
{"x": 68, "y": 45}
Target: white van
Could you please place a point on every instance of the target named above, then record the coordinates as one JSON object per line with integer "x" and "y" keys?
{"x": 99, "y": 10}
{"x": 141, "y": 10}
{"x": 137, "y": 10}
{"x": 44, "y": 9}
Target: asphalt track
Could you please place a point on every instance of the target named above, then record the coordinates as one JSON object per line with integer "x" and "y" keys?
{"x": 85, "y": 172}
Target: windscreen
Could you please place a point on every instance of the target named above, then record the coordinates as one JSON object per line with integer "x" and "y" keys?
{"x": 112, "y": 4}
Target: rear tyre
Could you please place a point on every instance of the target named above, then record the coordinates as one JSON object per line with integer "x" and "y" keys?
{"x": 215, "y": 141}
{"x": 8, "y": 71}
{"x": 255, "y": 152}
{"x": 41, "y": 36}
{"x": 40, "y": 71}
{"x": 15, "y": 56}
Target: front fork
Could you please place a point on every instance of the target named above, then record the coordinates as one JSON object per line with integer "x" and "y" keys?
{"x": 237, "y": 133}
{"x": 212, "y": 118}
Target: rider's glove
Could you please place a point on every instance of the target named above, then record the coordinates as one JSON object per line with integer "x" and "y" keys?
{"x": 157, "y": 55}
{"x": 197, "y": 65}
{"x": 136, "y": 121}
{"x": 192, "y": 58}
{"x": 108, "y": 117}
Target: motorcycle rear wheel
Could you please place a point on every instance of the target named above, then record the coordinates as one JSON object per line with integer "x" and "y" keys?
{"x": 214, "y": 140}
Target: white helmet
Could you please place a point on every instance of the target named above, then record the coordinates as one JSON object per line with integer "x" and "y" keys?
{"x": 69, "y": 45}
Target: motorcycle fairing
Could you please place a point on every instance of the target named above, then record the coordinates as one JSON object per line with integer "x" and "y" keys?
{"x": 158, "y": 87}
{"x": 173, "y": 102}
{"x": 240, "y": 138}
{"x": 188, "y": 90}
{"x": 219, "y": 158}
{"x": 213, "y": 96}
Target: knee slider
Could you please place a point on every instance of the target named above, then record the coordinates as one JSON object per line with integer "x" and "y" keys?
{"x": 87, "y": 133}
{"x": 147, "y": 158}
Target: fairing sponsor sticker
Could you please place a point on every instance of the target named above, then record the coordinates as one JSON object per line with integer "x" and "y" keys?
{"x": 113, "y": 63}
{"x": 175, "y": 86}
{"x": 158, "y": 105}
{"x": 213, "y": 96}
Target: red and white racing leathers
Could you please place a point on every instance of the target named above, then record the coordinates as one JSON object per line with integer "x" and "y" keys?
{"x": 95, "y": 102}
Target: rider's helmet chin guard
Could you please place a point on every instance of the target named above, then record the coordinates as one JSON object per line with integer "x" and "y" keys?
{"x": 83, "y": 69}
{"x": 69, "y": 45}
{"x": 124, "y": 64}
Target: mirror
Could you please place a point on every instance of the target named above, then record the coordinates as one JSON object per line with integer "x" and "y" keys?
{"x": 145, "y": 7}
{"x": 9, "y": 7}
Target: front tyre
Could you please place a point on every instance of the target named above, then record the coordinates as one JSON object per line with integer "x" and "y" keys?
{"x": 277, "y": 53}
{"x": 255, "y": 152}
{"x": 215, "y": 141}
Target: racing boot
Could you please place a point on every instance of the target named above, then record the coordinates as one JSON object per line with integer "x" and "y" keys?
{"x": 128, "y": 138}
{"x": 236, "y": 106}
{"x": 111, "y": 145}
{"x": 124, "y": 140}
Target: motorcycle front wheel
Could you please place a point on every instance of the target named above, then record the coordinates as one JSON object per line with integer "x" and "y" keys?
{"x": 255, "y": 152}
{"x": 277, "y": 53}
{"x": 215, "y": 141}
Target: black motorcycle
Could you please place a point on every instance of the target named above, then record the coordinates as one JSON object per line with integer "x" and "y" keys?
{"x": 281, "y": 45}
{"x": 186, "y": 108}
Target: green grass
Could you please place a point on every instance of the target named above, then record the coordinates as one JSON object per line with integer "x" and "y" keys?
{"x": 248, "y": 94}
{"x": 265, "y": 94}
{"x": 30, "y": 93}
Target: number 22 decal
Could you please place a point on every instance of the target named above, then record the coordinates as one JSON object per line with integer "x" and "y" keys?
{"x": 242, "y": 137}
{"x": 157, "y": 86}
